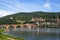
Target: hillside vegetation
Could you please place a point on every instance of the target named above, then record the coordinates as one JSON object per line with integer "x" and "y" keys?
{"x": 27, "y": 16}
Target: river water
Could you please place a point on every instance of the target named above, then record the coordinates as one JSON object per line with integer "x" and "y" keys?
{"x": 35, "y": 34}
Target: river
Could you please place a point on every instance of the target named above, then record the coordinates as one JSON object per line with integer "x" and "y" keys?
{"x": 35, "y": 34}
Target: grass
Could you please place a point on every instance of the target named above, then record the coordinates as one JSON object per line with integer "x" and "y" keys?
{"x": 7, "y": 37}
{"x": 13, "y": 38}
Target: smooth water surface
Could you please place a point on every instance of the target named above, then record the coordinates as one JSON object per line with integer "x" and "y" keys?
{"x": 36, "y": 34}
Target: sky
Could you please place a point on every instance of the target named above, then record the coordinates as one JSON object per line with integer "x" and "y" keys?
{"x": 8, "y": 7}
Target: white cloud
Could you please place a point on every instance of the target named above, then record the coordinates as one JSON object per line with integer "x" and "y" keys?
{"x": 47, "y": 5}
{"x": 3, "y": 13}
{"x": 7, "y": 5}
{"x": 20, "y": 5}
{"x": 17, "y": 6}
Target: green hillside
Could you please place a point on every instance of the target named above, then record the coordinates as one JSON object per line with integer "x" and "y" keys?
{"x": 26, "y": 16}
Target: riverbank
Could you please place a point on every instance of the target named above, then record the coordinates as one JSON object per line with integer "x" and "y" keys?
{"x": 13, "y": 38}
{"x": 8, "y": 37}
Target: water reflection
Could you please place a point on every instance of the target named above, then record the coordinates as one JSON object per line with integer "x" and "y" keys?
{"x": 36, "y": 34}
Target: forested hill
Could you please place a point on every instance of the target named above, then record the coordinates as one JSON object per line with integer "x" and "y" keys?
{"x": 32, "y": 14}
{"x": 28, "y": 16}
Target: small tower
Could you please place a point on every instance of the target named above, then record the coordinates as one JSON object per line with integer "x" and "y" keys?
{"x": 57, "y": 19}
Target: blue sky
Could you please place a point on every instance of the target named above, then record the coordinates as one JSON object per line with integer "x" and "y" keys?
{"x": 8, "y": 7}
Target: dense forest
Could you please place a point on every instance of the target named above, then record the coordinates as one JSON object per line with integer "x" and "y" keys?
{"x": 26, "y": 16}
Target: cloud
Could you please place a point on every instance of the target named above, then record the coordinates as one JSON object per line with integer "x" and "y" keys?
{"x": 25, "y": 7}
{"x": 15, "y": 6}
{"x": 9, "y": 6}
{"x": 3, "y": 13}
{"x": 18, "y": 4}
{"x": 47, "y": 5}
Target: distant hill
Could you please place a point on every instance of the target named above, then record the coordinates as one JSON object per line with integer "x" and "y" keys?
{"x": 27, "y": 16}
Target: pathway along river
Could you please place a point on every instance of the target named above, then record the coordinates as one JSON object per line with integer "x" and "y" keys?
{"x": 35, "y": 34}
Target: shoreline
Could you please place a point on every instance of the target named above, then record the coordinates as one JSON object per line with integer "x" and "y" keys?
{"x": 12, "y": 37}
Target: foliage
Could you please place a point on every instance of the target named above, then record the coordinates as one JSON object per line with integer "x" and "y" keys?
{"x": 27, "y": 16}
